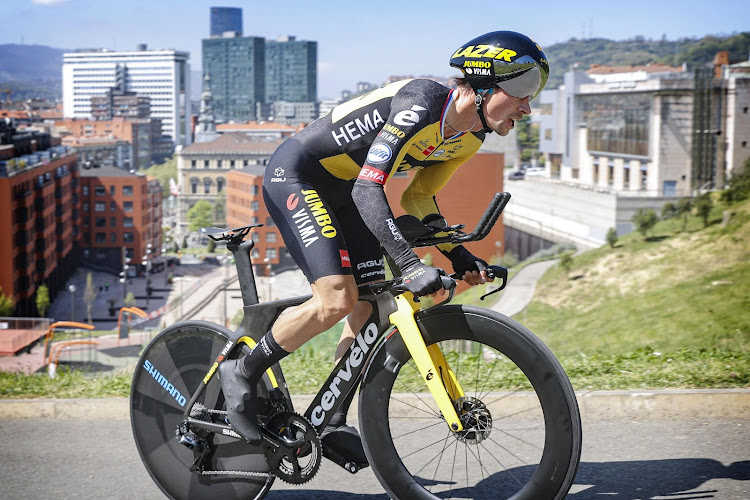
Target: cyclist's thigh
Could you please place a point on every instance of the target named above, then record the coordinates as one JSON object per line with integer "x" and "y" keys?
{"x": 364, "y": 248}
{"x": 305, "y": 218}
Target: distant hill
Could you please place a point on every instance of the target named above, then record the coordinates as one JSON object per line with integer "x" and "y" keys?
{"x": 693, "y": 52}
{"x": 27, "y": 63}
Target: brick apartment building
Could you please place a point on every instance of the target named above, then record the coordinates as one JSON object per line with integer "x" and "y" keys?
{"x": 121, "y": 215}
{"x": 39, "y": 214}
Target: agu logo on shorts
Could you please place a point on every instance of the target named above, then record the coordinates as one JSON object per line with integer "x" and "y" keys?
{"x": 379, "y": 153}
{"x": 292, "y": 201}
{"x": 345, "y": 260}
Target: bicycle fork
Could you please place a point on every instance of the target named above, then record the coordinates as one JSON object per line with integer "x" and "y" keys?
{"x": 430, "y": 361}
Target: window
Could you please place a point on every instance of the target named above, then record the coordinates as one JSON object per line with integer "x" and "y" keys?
{"x": 128, "y": 206}
{"x": 219, "y": 185}
{"x": 100, "y": 222}
{"x": 548, "y": 134}
{"x": 218, "y": 163}
{"x": 85, "y": 206}
{"x": 100, "y": 191}
{"x": 85, "y": 190}
{"x": 270, "y": 237}
{"x": 231, "y": 163}
{"x": 100, "y": 206}
{"x": 192, "y": 163}
{"x": 207, "y": 186}
{"x": 205, "y": 163}
{"x": 111, "y": 190}
{"x": 256, "y": 237}
{"x": 193, "y": 187}
{"x": 127, "y": 237}
{"x": 112, "y": 206}
{"x": 254, "y": 189}
{"x": 127, "y": 222}
{"x": 100, "y": 238}
{"x": 127, "y": 190}
{"x": 113, "y": 237}
{"x": 253, "y": 205}
{"x": 113, "y": 222}
{"x": 270, "y": 253}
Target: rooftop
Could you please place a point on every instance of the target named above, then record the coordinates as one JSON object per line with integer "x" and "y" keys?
{"x": 108, "y": 171}
{"x": 232, "y": 143}
{"x": 597, "y": 69}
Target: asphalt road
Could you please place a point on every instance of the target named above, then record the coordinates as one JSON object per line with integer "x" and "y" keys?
{"x": 622, "y": 460}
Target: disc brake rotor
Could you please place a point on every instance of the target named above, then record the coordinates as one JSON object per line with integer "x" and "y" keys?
{"x": 475, "y": 418}
{"x": 300, "y": 460}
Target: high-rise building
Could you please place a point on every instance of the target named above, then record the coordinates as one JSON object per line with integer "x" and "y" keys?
{"x": 291, "y": 70}
{"x": 224, "y": 19}
{"x": 161, "y": 75}
{"x": 236, "y": 67}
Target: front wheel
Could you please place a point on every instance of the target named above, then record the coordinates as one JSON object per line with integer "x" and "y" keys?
{"x": 522, "y": 428}
{"x": 169, "y": 371}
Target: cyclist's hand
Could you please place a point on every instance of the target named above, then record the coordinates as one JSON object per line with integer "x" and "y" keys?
{"x": 421, "y": 279}
{"x": 469, "y": 267}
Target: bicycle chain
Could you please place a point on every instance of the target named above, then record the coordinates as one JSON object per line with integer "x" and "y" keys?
{"x": 235, "y": 473}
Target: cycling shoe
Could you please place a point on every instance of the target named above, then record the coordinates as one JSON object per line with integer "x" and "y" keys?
{"x": 345, "y": 441}
{"x": 240, "y": 400}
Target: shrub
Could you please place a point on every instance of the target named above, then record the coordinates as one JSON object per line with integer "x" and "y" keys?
{"x": 703, "y": 206}
{"x": 612, "y": 237}
{"x": 644, "y": 219}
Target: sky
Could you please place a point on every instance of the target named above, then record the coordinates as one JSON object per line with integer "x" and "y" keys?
{"x": 362, "y": 40}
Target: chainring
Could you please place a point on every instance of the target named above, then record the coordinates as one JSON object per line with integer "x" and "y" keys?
{"x": 299, "y": 464}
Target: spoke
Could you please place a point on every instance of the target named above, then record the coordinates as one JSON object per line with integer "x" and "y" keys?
{"x": 515, "y": 455}
{"x": 445, "y": 446}
{"x": 431, "y": 413}
{"x": 519, "y": 412}
{"x": 418, "y": 397}
{"x": 501, "y": 464}
{"x": 438, "y": 454}
{"x": 533, "y": 445}
{"x": 418, "y": 430}
{"x": 487, "y": 380}
{"x": 454, "y": 462}
{"x": 466, "y": 458}
{"x": 421, "y": 449}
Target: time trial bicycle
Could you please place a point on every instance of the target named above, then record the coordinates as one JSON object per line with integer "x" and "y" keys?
{"x": 455, "y": 401}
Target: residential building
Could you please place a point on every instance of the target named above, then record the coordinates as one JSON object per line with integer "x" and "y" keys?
{"x": 121, "y": 215}
{"x": 202, "y": 170}
{"x": 236, "y": 67}
{"x": 117, "y": 102}
{"x": 245, "y": 206}
{"x": 100, "y": 151}
{"x": 291, "y": 71}
{"x": 162, "y": 75}
{"x": 39, "y": 213}
{"x": 224, "y": 19}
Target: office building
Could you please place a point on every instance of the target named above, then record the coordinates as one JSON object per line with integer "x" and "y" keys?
{"x": 291, "y": 70}
{"x": 236, "y": 68}
{"x": 226, "y": 19}
{"x": 161, "y": 75}
{"x": 39, "y": 214}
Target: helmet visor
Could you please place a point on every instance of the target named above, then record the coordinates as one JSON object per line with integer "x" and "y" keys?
{"x": 527, "y": 82}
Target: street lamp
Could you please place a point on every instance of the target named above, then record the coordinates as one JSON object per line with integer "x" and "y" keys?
{"x": 72, "y": 290}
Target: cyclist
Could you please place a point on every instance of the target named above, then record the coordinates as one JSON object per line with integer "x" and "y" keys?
{"x": 324, "y": 190}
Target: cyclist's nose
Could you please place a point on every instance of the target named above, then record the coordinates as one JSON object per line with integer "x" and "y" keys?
{"x": 525, "y": 107}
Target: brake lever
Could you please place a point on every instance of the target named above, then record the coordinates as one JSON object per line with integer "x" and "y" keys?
{"x": 496, "y": 272}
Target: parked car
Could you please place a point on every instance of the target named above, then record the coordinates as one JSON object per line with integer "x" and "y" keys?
{"x": 516, "y": 175}
{"x": 535, "y": 171}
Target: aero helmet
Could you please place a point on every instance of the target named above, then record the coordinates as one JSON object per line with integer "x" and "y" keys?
{"x": 504, "y": 59}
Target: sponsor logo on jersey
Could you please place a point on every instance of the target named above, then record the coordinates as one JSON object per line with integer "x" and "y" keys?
{"x": 358, "y": 127}
{"x": 345, "y": 260}
{"x": 357, "y": 355}
{"x": 319, "y": 213}
{"x": 394, "y": 230}
{"x": 379, "y": 153}
{"x": 388, "y": 137}
{"x": 439, "y": 152}
{"x": 394, "y": 130}
{"x": 478, "y": 71}
{"x": 369, "y": 263}
{"x": 429, "y": 150}
{"x": 408, "y": 117}
{"x": 372, "y": 174}
{"x": 278, "y": 175}
{"x": 477, "y": 64}
{"x": 162, "y": 381}
{"x": 486, "y": 51}
{"x": 292, "y": 202}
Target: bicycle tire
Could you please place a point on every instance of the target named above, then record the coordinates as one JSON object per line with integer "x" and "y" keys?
{"x": 183, "y": 353}
{"x": 542, "y": 422}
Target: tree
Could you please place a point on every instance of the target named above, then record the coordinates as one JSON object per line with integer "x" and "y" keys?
{"x": 184, "y": 243}
{"x": 612, "y": 237}
{"x": 566, "y": 261}
{"x": 42, "y": 299}
{"x": 644, "y": 219}
{"x": 669, "y": 210}
{"x": 163, "y": 172}
{"x": 683, "y": 207}
{"x": 89, "y": 295}
{"x": 703, "y": 206}
{"x": 6, "y": 304}
{"x": 220, "y": 209}
{"x": 739, "y": 186}
{"x": 200, "y": 215}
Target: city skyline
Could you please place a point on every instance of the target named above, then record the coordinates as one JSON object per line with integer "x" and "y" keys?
{"x": 359, "y": 42}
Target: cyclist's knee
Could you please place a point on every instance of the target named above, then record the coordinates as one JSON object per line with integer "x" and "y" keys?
{"x": 336, "y": 297}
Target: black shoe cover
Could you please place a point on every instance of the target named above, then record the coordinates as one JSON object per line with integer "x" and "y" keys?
{"x": 345, "y": 440}
{"x": 240, "y": 400}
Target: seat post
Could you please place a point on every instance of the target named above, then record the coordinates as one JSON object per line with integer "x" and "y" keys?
{"x": 241, "y": 251}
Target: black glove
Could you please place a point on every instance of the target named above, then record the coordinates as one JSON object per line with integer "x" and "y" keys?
{"x": 463, "y": 261}
{"x": 421, "y": 279}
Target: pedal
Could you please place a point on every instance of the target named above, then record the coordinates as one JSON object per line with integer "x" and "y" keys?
{"x": 341, "y": 460}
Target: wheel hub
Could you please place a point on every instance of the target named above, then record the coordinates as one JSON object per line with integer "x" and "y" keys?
{"x": 475, "y": 418}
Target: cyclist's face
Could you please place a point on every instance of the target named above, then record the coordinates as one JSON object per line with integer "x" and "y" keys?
{"x": 503, "y": 110}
